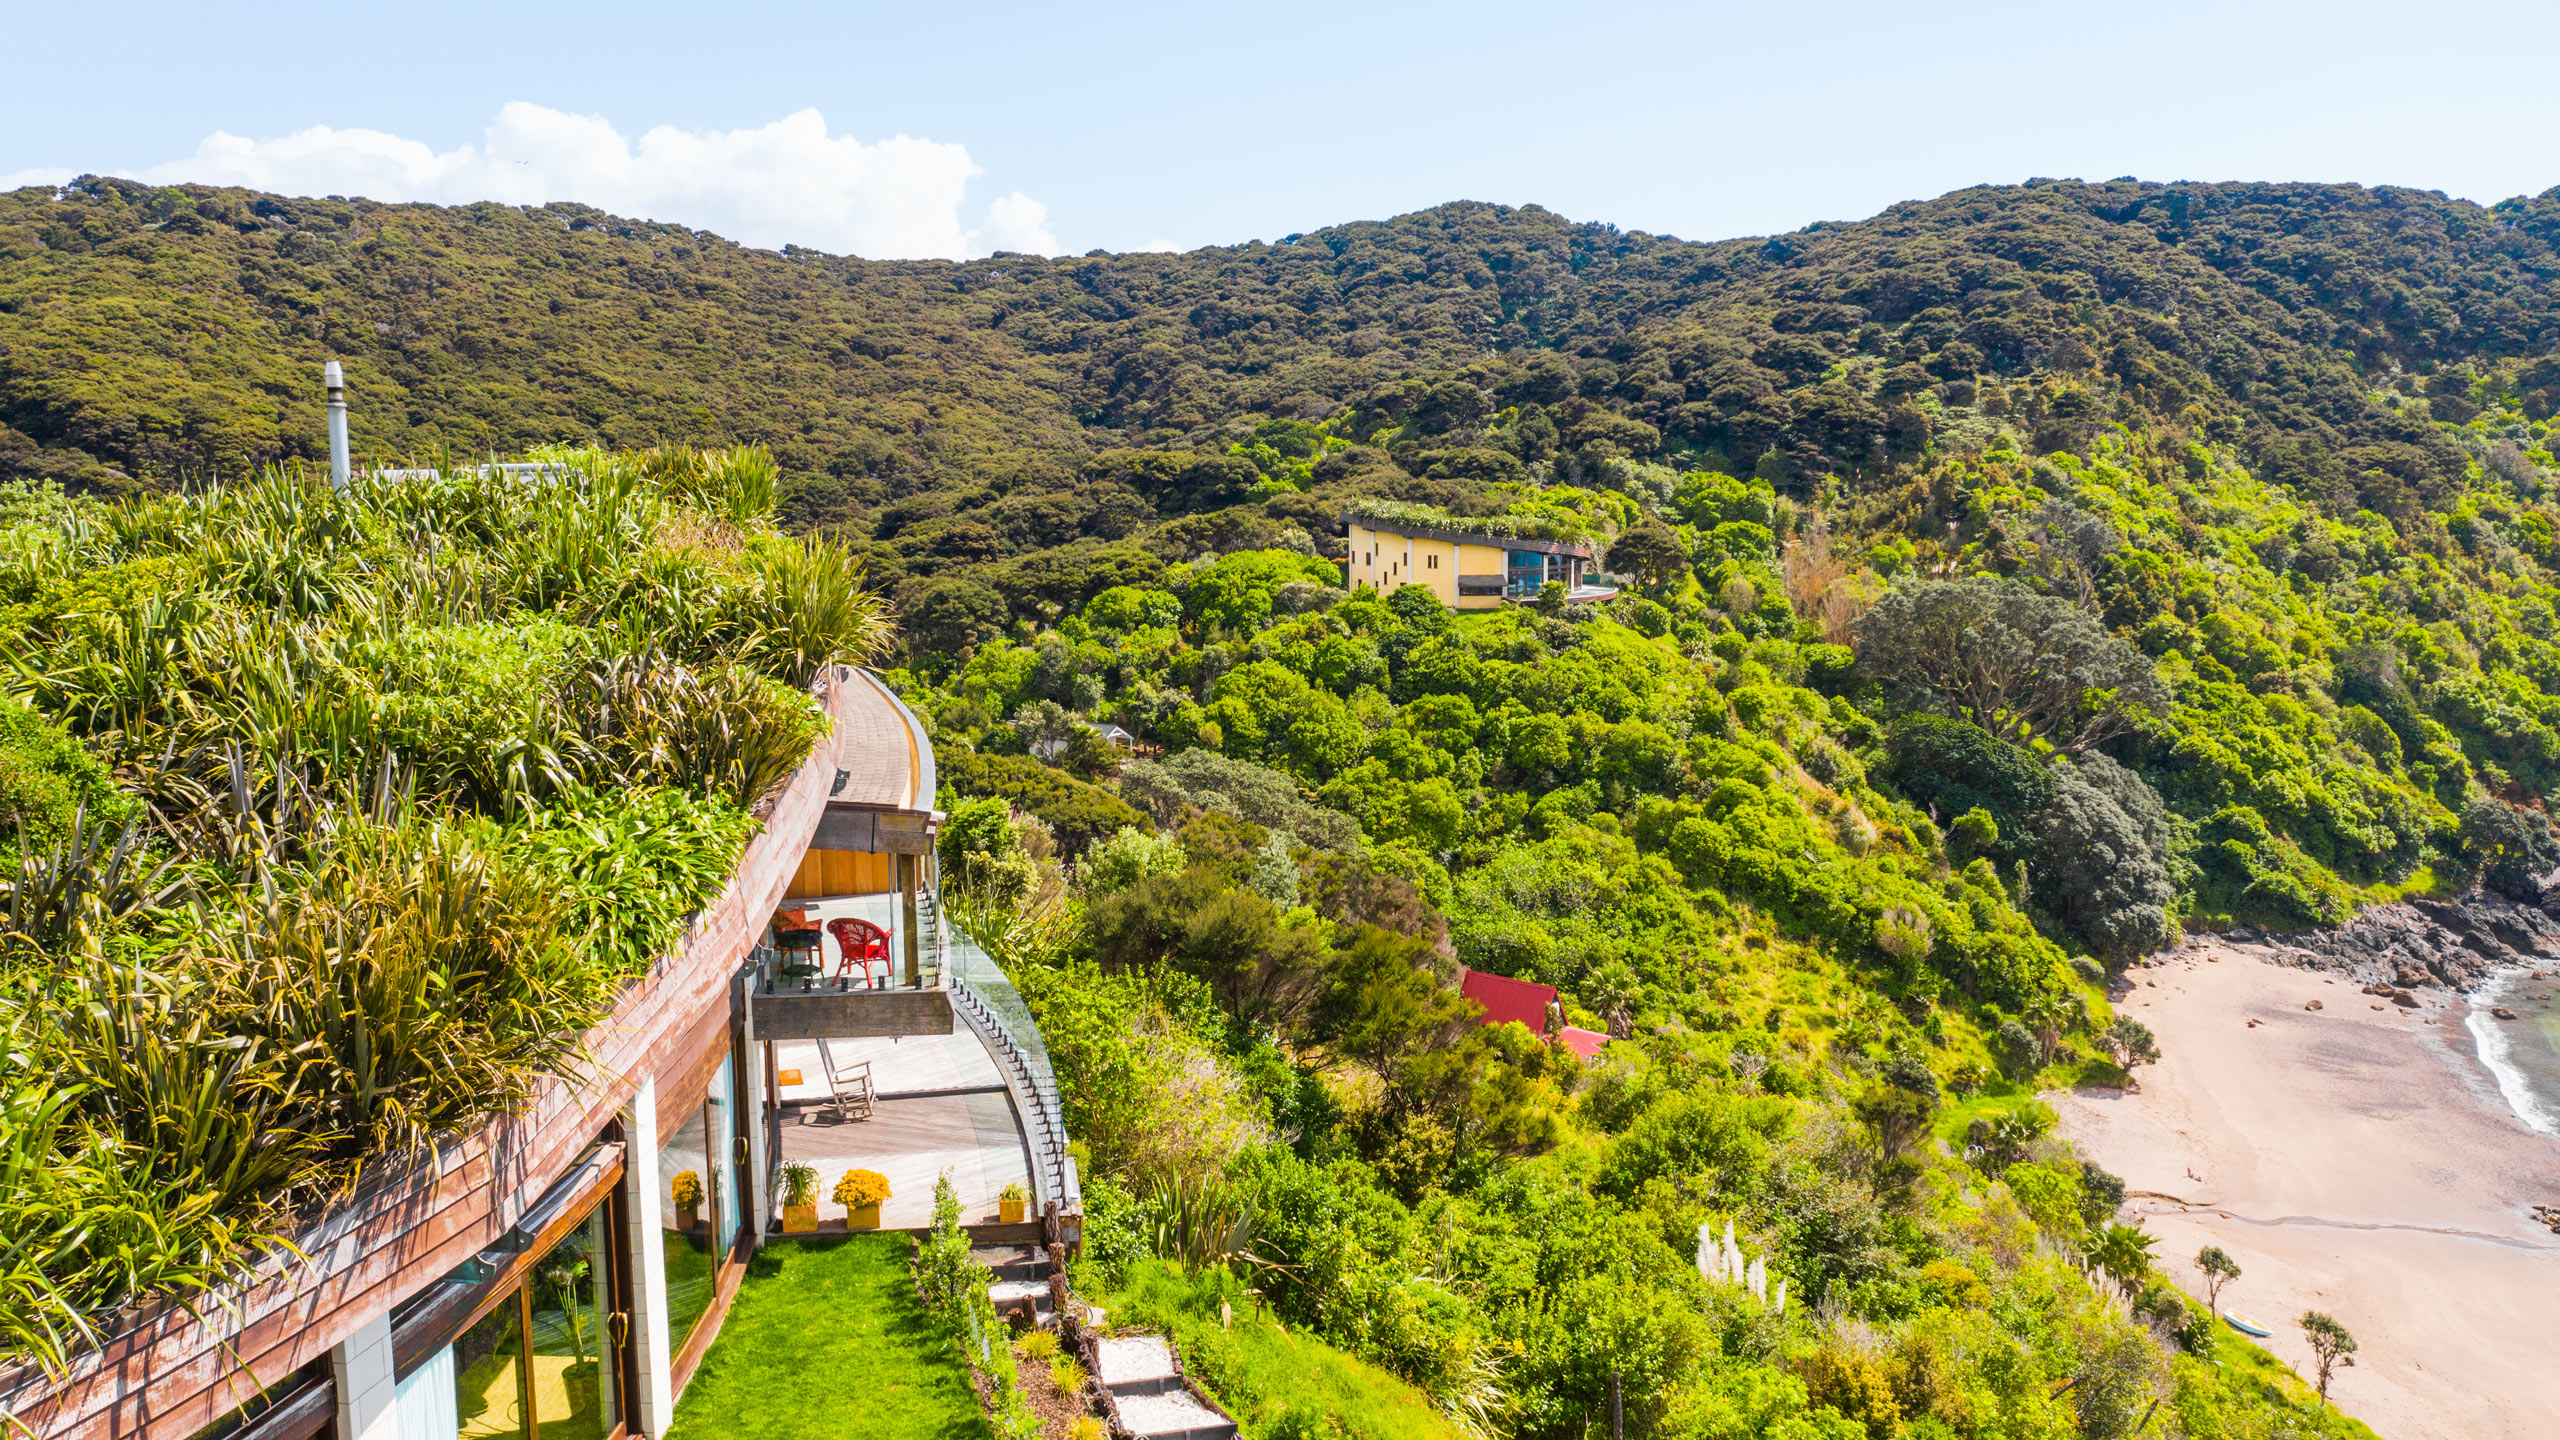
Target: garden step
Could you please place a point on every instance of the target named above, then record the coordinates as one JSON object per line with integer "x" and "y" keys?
{"x": 1137, "y": 1365}
{"x": 1024, "y": 1298}
{"x": 1012, "y": 1262}
{"x": 1173, "y": 1415}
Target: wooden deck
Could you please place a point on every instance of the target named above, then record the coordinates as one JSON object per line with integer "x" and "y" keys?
{"x": 944, "y": 1107}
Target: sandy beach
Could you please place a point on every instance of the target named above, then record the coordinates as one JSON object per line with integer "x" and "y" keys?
{"x": 2355, "y": 1159}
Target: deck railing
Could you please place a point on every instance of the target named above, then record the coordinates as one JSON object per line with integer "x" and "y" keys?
{"x": 987, "y": 1002}
{"x": 771, "y": 979}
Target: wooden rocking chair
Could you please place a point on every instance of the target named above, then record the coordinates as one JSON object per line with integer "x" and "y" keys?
{"x": 848, "y": 1085}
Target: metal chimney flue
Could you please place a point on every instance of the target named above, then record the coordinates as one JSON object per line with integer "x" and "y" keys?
{"x": 336, "y": 379}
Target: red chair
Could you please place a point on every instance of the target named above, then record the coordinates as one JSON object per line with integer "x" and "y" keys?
{"x": 861, "y": 943}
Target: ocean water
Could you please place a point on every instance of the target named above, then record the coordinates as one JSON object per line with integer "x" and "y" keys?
{"x": 2523, "y": 1053}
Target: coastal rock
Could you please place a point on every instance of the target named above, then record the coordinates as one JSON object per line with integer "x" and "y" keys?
{"x": 2452, "y": 945}
{"x": 2501, "y": 1011}
{"x": 2310, "y": 1004}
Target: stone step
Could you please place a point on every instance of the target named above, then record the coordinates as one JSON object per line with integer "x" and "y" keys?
{"x": 1137, "y": 1365}
{"x": 1012, "y": 1262}
{"x": 1021, "y": 1297}
{"x": 1172, "y": 1415}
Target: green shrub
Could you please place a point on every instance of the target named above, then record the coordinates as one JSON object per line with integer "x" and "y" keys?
{"x": 46, "y": 781}
{"x": 632, "y": 867}
{"x": 1079, "y": 813}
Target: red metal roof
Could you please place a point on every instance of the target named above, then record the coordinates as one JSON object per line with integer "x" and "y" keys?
{"x": 1504, "y": 999}
{"x": 1585, "y": 1043}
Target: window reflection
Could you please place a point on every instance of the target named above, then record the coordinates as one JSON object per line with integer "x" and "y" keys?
{"x": 542, "y": 1364}
{"x": 686, "y": 1238}
{"x": 715, "y": 1110}
{"x": 572, "y": 1372}
{"x": 697, "y": 1205}
{"x": 488, "y": 1376}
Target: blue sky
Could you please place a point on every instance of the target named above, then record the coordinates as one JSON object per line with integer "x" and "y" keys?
{"x": 1131, "y": 126}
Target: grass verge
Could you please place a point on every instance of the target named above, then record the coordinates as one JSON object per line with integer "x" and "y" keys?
{"x": 2240, "y": 1369}
{"x": 1273, "y": 1381}
{"x": 826, "y": 1340}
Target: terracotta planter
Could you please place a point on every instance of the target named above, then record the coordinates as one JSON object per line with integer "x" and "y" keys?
{"x": 688, "y": 1216}
{"x": 1011, "y": 1210}
{"x": 863, "y": 1217}
{"x": 799, "y": 1219}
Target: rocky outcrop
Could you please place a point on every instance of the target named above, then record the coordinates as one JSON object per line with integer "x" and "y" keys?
{"x": 2452, "y": 944}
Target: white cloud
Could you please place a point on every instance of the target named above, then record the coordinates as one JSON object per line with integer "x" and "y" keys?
{"x": 21, "y": 179}
{"x": 1160, "y": 247}
{"x": 1015, "y": 222}
{"x": 789, "y": 181}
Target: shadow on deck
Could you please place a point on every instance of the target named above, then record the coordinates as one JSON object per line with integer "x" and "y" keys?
{"x": 940, "y": 1107}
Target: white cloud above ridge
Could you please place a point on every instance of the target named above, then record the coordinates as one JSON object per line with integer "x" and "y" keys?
{"x": 785, "y": 182}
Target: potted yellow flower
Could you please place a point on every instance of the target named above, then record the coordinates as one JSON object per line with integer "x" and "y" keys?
{"x": 688, "y": 1196}
{"x": 1012, "y": 1202}
{"x": 860, "y": 1193}
{"x": 799, "y": 1198}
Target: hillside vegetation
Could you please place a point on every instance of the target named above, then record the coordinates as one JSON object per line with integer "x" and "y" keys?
{"x": 2013, "y": 581}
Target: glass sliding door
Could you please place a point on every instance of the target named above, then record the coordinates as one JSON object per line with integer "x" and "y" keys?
{"x": 721, "y": 1127}
{"x": 488, "y": 1376}
{"x": 569, "y": 1304}
{"x": 544, "y": 1363}
{"x": 692, "y": 1261}
{"x": 700, "y": 1205}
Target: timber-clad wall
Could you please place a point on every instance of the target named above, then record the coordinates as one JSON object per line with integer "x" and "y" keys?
{"x": 170, "y": 1375}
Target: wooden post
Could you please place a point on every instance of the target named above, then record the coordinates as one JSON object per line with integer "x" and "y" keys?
{"x": 1617, "y": 1410}
{"x": 907, "y": 920}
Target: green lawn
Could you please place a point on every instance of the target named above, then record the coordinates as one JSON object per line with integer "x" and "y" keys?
{"x": 825, "y": 1341}
{"x": 1272, "y": 1379}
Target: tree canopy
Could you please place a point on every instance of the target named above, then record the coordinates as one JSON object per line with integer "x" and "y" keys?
{"x": 2009, "y": 660}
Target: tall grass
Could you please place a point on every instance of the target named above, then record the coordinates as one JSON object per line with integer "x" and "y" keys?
{"x": 425, "y": 769}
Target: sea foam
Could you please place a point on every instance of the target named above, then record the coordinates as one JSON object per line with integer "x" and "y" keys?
{"x": 2522, "y": 1054}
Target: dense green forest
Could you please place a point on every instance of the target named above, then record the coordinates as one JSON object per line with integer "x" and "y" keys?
{"x": 2012, "y": 582}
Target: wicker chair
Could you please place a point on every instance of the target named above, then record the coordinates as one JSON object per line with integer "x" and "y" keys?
{"x": 860, "y": 945}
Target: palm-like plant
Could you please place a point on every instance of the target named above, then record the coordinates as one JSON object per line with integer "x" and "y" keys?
{"x": 2121, "y": 1252}
{"x": 2051, "y": 1014}
{"x": 815, "y": 610}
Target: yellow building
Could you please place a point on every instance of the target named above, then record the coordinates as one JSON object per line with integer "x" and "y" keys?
{"x": 1468, "y": 570}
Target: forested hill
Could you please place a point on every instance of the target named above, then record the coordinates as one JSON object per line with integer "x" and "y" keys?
{"x": 2013, "y": 582}
{"x": 155, "y": 333}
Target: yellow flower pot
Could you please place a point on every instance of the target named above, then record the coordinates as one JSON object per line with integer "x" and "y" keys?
{"x": 799, "y": 1219}
{"x": 1012, "y": 1210}
{"x": 863, "y": 1217}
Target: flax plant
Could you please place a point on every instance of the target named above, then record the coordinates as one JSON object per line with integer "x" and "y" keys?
{"x": 426, "y": 770}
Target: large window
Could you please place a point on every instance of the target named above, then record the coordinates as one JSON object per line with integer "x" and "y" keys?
{"x": 544, "y": 1362}
{"x": 698, "y": 1204}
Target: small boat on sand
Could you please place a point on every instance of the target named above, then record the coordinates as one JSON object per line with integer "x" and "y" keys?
{"x": 2245, "y": 1325}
